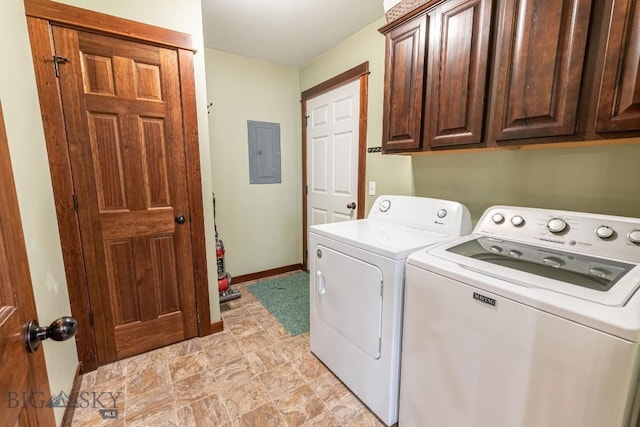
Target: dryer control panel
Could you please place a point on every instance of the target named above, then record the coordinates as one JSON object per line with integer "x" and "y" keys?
{"x": 436, "y": 215}
{"x": 600, "y": 235}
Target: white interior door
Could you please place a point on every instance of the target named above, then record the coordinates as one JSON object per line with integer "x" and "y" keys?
{"x": 332, "y": 154}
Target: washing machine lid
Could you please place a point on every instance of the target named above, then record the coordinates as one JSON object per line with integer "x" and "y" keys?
{"x": 383, "y": 238}
{"x": 595, "y": 279}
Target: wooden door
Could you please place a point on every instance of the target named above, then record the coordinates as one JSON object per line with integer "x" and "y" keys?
{"x": 539, "y": 63}
{"x": 619, "y": 100}
{"x": 404, "y": 86}
{"x": 332, "y": 155}
{"x": 22, "y": 375}
{"x": 457, "y": 67}
{"x": 123, "y": 115}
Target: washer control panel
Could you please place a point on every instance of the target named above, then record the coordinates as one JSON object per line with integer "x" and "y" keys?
{"x": 602, "y": 235}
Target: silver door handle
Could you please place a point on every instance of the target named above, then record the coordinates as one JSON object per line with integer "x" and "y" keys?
{"x": 351, "y": 205}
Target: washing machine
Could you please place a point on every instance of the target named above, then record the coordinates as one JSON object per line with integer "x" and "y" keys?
{"x": 531, "y": 320}
{"x": 356, "y": 290}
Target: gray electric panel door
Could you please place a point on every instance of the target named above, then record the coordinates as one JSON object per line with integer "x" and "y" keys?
{"x": 264, "y": 152}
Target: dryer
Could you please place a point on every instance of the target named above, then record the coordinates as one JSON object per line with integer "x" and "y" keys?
{"x": 356, "y": 290}
{"x": 532, "y": 320}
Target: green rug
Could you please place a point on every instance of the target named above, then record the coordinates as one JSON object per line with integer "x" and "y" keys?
{"x": 287, "y": 298}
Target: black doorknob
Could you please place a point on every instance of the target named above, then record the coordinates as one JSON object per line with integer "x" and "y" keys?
{"x": 180, "y": 219}
{"x": 351, "y": 205}
{"x": 61, "y": 329}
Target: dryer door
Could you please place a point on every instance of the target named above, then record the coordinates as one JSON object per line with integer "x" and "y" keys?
{"x": 348, "y": 297}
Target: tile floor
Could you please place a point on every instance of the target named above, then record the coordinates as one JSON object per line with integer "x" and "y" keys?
{"x": 252, "y": 374}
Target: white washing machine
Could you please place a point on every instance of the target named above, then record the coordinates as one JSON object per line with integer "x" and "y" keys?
{"x": 532, "y": 320}
{"x": 356, "y": 290}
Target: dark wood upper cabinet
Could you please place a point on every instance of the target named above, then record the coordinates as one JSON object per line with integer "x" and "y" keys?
{"x": 487, "y": 73}
{"x": 540, "y": 52}
{"x": 457, "y": 59}
{"x": 619, "y": 98}
{"x": 403, "y": 85}
{"x": 435, "y": 78}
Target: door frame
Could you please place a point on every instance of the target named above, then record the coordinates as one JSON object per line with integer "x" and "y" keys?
{"x": 358, "y": 72}
{"x": 41, "y": 14}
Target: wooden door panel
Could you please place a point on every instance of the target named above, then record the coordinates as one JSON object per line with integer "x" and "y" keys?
{"x": 21, "y": 373}
{"x": 457, "y": 69}
{"x": 108, "y": 153}
{"x": 404, "y": 85}
{"x": 135, "y": 338}
{"x": 122, "y": 106}
{"x": 540, "y": 56}
{"x": 619, "y": 100}
{"x": 14, "y": 367}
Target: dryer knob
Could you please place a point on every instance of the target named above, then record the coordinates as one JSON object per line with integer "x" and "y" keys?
{"x": 604, "y": 232}
{"x": 442, "y": 213}
{"x": 497, "y": 218}
{"x": 556, "y": 225}
{"x": 385, "y": 205}
{"x": 634, "y": 236}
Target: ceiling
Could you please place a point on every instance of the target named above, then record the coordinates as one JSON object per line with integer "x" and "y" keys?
{"x": 285, "y": 32}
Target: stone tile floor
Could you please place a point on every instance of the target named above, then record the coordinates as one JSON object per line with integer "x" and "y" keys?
{"x": 251, "y": 374}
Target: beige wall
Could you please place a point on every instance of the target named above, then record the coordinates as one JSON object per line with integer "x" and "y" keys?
{"x": 601, "y": 179}
{"x": 29, "y": 159}
{"x": 391, "y": 173}
{"x": 260, "y": 224}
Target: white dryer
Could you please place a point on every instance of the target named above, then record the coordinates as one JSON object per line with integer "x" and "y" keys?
{"x": 356, "y": 290}
{"x": 532, "y": 320}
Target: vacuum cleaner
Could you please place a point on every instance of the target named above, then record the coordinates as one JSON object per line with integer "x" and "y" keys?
{"x": 224, "y": 278}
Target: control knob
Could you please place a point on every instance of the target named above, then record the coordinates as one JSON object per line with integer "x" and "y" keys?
{"x": 497, "y": 218}
{"x": 553, "y": 261}
{"x": 515, "y": 253}
{"x": 385, "y": 205}
{"x": 442, "y": 213}
{"x": 517, "y": 221}
{"x": 604, "y": 232}
{"x": 556, "y": 225}
{"x": 634, "y": 236}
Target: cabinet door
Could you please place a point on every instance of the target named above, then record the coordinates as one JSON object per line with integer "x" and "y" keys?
{"x": 403, "y": 86}
{"x": 540, "y": 57}
{"x": 619, "y": 100}
{"x": 458, "y": 49}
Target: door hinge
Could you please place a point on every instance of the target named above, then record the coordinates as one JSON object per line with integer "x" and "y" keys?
{"x": 58, "y": 60}
{"x": 91, "y": 318}
{"x": 306, "y": 189}
{"x": 306, "y": 120}
{"x": 75, "y": 202}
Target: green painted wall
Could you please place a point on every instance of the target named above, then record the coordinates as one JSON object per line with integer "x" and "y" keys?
{"x": 260, "y": 224}
{"x": 601, "y": 179}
